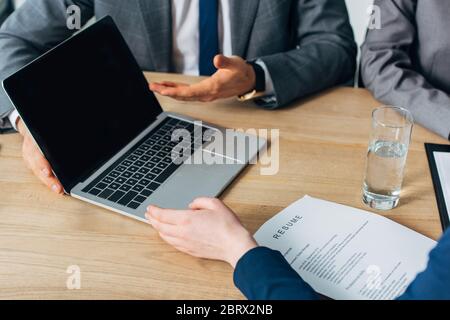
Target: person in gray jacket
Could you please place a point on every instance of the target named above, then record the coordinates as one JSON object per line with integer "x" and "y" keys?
{"x": 294, "y": 48}
{"x": 406, "y": 61}
{"x": 6, "y": 8}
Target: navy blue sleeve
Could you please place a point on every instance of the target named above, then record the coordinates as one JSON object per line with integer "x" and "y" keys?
{"x": 434, "y": 282}
{"x": 264, "y": 274}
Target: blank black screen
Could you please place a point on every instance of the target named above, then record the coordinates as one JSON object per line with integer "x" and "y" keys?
{"x": 84, "y": 101}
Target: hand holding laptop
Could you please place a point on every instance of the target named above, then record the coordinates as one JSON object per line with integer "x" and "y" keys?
{"x": 105, "y": 159}
{"x": 36, "y": 161}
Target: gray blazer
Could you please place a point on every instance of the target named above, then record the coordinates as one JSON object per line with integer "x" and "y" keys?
{"x": 307, "y": 45}
{"x": 407, "y": 62}
{"x": 6, "y": 7}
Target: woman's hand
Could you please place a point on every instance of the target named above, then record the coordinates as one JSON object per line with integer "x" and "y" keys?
{"x": 208, "y": 230}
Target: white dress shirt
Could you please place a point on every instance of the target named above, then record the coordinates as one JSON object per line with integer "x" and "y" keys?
{"x": 186, "y": 34}
{"x": 18, "y": 3}
{"x": 186, "y": 37}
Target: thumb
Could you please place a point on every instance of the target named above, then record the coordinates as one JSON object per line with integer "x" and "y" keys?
{"x": 204, "y": 204}
{"x": 222, "y": 62}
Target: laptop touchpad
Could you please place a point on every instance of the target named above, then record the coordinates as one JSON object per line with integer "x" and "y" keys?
{"x": 191, "y": 181}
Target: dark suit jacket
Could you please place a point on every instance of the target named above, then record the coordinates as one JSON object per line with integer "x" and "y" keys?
{"x": 264, "y": 274}
{"x": 307, "y": 45}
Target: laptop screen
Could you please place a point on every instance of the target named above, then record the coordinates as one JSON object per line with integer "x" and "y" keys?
{"x": 84, "y": 101}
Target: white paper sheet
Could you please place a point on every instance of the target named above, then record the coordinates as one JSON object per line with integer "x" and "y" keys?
{"x": 346, "y": 253}
{"x": 442, "y": 160}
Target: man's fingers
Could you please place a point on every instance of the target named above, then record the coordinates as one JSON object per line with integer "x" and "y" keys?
{"x": 158, "y": 86}
{"x": 198, "y": 91}
{"x": 175, "y": 242}
{"x": 167, "y": 229}
{"x": 172, "y": 84}
{"x": 47, "y": 178}
{"x": 41, "y": 168}
{"x": 54, "y": 184}
{"x": 167, "y": 216}
{"x": 222, "y": 62}
{"x": 177, "y": 92}
{"x": 205, "y": 204}
{"x": 20, "y": 126}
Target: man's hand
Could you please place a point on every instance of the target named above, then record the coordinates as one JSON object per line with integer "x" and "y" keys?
{"x": 234, "y": 77}
{"x": 36, "y": 161}
{"x": 209, "y": 230}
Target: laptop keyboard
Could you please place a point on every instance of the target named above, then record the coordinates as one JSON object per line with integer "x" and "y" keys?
{"x": 140, "y": 172}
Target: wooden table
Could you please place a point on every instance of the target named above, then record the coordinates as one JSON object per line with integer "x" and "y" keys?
{"x": 323, "y": 148}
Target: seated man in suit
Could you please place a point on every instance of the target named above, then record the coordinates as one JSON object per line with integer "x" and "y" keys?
{"x": 405, "y": 62}
{"x": 277, "y": 51}
{"x": 211, "y": 230}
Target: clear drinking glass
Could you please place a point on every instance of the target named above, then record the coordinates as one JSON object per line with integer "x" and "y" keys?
{"x": 386, "y": 158}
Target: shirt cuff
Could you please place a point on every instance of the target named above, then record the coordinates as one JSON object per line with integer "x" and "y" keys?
{"x": 270, "y": 91}
{"x": 268, "y": 99}
{"x": 246, "y": 272}
{"x": 264, "y": 274}
{"x": 248, "y": 260}
{"x": 13, "y": 116}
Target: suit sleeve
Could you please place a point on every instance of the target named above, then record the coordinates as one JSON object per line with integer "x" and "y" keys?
{"x": 36, "y": 27}
{"x": 434, "y": 282}
{"x": 264, "y": 274}
{"x": 324, "y": 54}
{"x": 387, "y": 68}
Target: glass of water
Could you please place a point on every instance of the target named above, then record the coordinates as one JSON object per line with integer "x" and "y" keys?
{"x": 386, "y": 158}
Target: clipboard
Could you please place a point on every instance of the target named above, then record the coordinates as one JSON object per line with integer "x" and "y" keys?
{"x": 440, "y": 198}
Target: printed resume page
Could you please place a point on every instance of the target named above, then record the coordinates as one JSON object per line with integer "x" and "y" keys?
{"x": 346, "y": 253}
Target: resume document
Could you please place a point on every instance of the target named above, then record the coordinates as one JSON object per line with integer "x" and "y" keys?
{"x": 346, "y": 253}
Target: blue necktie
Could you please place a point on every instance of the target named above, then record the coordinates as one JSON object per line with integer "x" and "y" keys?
{"x": 209, "y": 36}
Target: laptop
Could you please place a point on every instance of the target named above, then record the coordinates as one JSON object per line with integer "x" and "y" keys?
{"x": 89, "y": 108}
